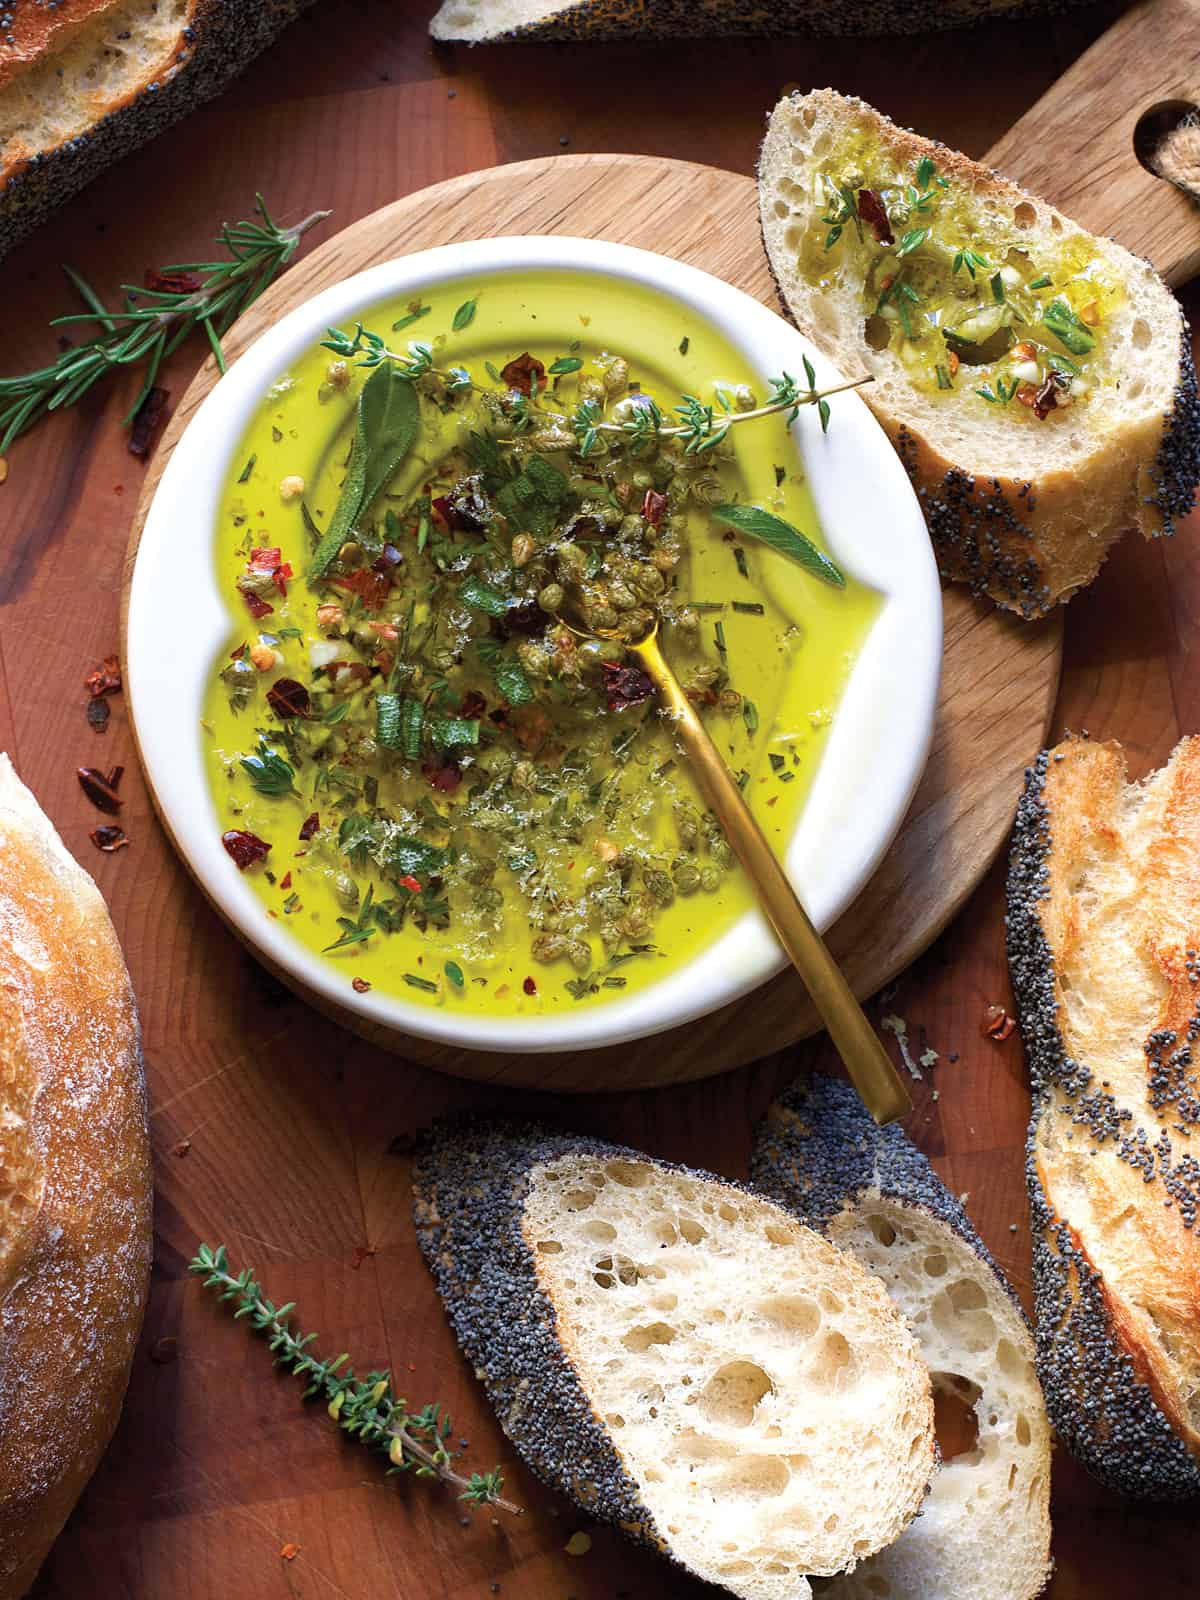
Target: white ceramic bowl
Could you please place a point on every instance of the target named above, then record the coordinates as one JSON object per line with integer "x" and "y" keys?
{"x": 876, "y": 748}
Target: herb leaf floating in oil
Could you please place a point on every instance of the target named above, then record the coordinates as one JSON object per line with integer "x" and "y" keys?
{"x": 155, "y": 320}
{"x": 385, "y": 426}
{"x": 366, "y": 1408}
{"x": 780, "y": 535}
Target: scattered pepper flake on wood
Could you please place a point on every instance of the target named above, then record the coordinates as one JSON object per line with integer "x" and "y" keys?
{"x": 109, "y": 838}
{"x": 289, "y": 1552}
{"x": 100, "y": 789}
{"x": 997, "y": 1024}
{"x": 104, "y": 679}
{"x": 182, "y": 1148}
{"x": 148, "y": 419}
{"x": 359, "y": 985}
{"x": 360, "y": 1254}
{"x": 98, "y": 714}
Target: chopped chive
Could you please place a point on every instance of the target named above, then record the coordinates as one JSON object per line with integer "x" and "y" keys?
{"x": 244, "y": 475}
{"x": 750, "y": 716}
{"x": 455, "y": 973}
{"x": 683, "y": 345}
{"x": 777, "y": 761}
{"x": 997, "y": 283}
{"x": 787, "y": 777}
{"x": 614, "y": 983}
{"x": 719, "y": 635}
{"x": 413, "y": 316}
{"x": 414, "y": 982}
{"x": 739, "y": 555}
{"x": 749, "y": 608}
{"x": 943, "y": 376}
{"x": 743, "y": 778}
{"x": 1041, "y": 283}
{"x": 707, "y": 605}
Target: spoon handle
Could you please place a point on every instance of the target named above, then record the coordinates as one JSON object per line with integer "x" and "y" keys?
{"x": 882, "y": 1090}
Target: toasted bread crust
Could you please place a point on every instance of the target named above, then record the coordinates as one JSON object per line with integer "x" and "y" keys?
{"x": 1029, "y": 542}
{"x": 218, "y": 39}
{"x": 75, "y": 1196}
{"x": 1114, "y": 1188}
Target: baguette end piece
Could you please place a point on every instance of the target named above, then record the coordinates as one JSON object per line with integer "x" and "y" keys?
{"x": 1097, "y": 1393}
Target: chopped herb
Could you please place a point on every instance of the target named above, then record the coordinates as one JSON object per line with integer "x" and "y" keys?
{"x": 926, "y": 168}
{"x": 291, "y": 633}
{"x": 1066, "y": 327}
{"x": 563, "y": 365}
{"x": 997, "y": 288}
{"x": 743, "y": 778}
{"x": 719, "y": 636}
{"x": 969, "y": 259}
{"x": 750, "y": 716}
{"x": 336, "y": 713}
{"x": 706, "y": 606}
{"x": 450, "y": 731}
{"x": 787, "y": 777}
{"x": 780, "y": 475}
{"x": 739, "y": 555}
{"x": 1041, "y": 283}
{"x": 749, "y": 608}
{"x": 943, "y": 376}
{"x": 912, "y": 240}
{"x": 415, "y": 982}
{"x": 455, "y": 973}
{"x": 310, "y": 526}
{"x": 244, "y": 475}
{"x": 414, "y": 315}
{"x": 1002, "y": 394}
{"x": 464, "y": 316}
{"x": 355, "y": 932}
{"x": 472, "y": 591}
{"x": 776, "y": 760}
{"x": 268, "y": 771}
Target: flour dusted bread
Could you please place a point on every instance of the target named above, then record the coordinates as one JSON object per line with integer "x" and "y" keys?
{"x": 1081, "y": 441}
{"x": 984, "y": 1532}
{"x": 74, "y": 1183}
{"x": 678, "y": 1355}
{"x": 480, "y": 20}
{"x": 1104, "y": 952}
{"x": 82, "y": 82}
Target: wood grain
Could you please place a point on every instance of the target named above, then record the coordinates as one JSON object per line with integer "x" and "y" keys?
{"x": 999, "y": 677}
{"x": 288, "y": 1121}
{"x": 1076, "y": 144}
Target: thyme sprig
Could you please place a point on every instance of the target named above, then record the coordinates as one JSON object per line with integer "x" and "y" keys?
{"x": 154, "y": 322}
{"x": 702, "y": 427}
{"x": 365, "y": 1408}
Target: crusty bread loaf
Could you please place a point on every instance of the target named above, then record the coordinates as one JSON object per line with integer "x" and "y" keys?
{"x": 1103, "y": 943}
{"x": 85, "y": 81}
{"x": 74, "y": 1183}
{"x": 1022, "y": 508}
{"x": 491, "y": 20}
{"x": 678, "y": 1355}
{"x": 984, "y": 1532}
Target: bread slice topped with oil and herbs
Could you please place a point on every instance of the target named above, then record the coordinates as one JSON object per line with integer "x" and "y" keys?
{"x": 1036, "y": 380}
{"x": 984, "y": 1532}
{"x": 678, "y": 1355}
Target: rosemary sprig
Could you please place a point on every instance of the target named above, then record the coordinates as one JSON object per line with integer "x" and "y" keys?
{"x": 366, "y": 1408}
{"x": 699, "y": 425}
{"x": 154, "y": 322}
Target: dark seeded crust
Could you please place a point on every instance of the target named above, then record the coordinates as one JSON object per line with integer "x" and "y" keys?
{"x": 469, "y": 1186}
{"x": 1000, "y": 535}
{"x": 817, "y": 1152}
{"x": 616, "y": 19}
{"x": 1101, "y": 1411}
{"x": 226, "y": 36}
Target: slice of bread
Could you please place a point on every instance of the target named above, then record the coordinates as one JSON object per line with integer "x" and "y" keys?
{"x": 984, "y": 1533}
{"x": 1026, "y": 491}
{"x": 86, "y": 81}
{"x": 677, "y": 1355}
{"x": 1104, "y": 952}
{"x": 492, "y": 20}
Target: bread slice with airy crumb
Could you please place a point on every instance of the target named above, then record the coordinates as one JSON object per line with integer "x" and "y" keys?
{"x": 679, "y": 1356}
{"x": 478, "y": 21}
{"x": 1104, "y": 952}
{"x": 1036, "y": 380}
{"x": 984, "y": 1533}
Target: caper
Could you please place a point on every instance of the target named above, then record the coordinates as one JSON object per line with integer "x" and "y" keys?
{"x": 346, "y": 890}
{"x": 488, "y": 898}
{"x": 744, "y": 398}
{"x": 658, "y": 885}
{"x": 687, "y": 824}
{"x": 570, "y": 563}
{"x": 710, "y": 879}
{"x": 648, "y": 581}
{"x": 687, "y": 619}
{"x": 621, "y": 595}
{"x": 523, "y": 548}
{"x": 579, "y": 954}
{"x": 591, "y": 388}
{"x": 631, "y": 528}
{"x": 721, "y": 853}
{"x": 601, "y": 616}
{"x": 616, "y": 376}
{"x": 534, "y": 657}
{"x": 686, "y": 876}
{"x": 551, "y": 597}
{"x": 702, "y": 680}
{"x": 548, "y": 946}
{"x": 351, "y": 553}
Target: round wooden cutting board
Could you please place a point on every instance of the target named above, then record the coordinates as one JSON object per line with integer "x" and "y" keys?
{"x": 999, "y": 679}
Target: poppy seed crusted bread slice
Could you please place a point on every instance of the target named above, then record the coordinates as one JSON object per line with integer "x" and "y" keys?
{"x": 984, "y": 1533}
{"x": 678, "y": 1355}
{"x": 1036, "y": 380}
{"x": 1104, "y": 952}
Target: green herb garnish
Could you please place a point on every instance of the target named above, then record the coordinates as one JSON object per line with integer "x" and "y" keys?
{"x": 780, "y": 535}
{"x": 244, "y": 474}
{"x": 414, "y": 315}
{"x": 1043, "y": 282}
{"x": 455, "y": 973}
{"x": 464, "y": 316}
{"x": 563, "y": 365}
{"x": 969, "y": 259}
{"x": 268, "y": 771}
{"x": 355, "y": 932}
{"x": 1066, "y": 327}
{"x": 415, "y": 982}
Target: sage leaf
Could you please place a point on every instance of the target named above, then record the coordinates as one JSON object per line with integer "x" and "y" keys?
{"x": 385, "y": 426}
{"x": 780, "y": 535}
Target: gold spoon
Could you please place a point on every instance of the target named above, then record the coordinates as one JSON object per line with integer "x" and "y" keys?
{"x": 882, "y": 1090}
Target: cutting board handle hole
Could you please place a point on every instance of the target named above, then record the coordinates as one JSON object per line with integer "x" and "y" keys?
{"x": 1160, "y": 142}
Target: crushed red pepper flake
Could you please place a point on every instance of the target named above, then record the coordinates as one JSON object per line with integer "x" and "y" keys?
{"x": 624, "y": 686}
{"x": 289, "y": 699}
{"x": 172, "y": 282}
{"x": 286, "y": 881}
{"x": 529, "y": 986}
{"x": 310, "y": 825}
{"x": 653, "y": 507}
{"x": 245, "y": 848}
{"x": 99, "y": 788}
{"x": 290, "y": 1551}
{"x": 360, "y": 1254}
{"x": 182, "y": 1148}
{"x": 871, "y": 209}
{"x": 997, "y": 1024}
{"x": 109, "y": 838}
{"x": 521, "y": 372}
{"x": 104, "y": 679}
{"x": 359, "y": 985}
